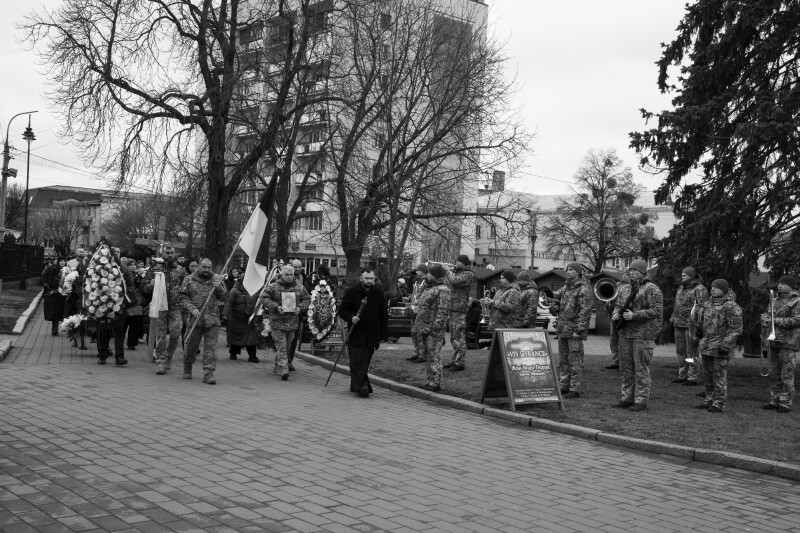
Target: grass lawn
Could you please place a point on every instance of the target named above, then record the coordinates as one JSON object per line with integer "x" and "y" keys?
{"x": 743, "y": 428}
{"x": 14, "y": 302}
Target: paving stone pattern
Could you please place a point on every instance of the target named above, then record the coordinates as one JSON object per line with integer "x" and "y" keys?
{"x": 91, "y": 448}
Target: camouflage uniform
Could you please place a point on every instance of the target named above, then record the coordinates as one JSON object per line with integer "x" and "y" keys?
{"x": 503, "y": 308}
{"x": 430, "y": 324}
{"x": 685, "y": 342}
{"x": 459, "y": 282}
{"x": 722, "y": 323}
{"x": 784, "y": 348}
{"x": 284, "y": 326}
{"x": 170, "y": 321}
{"x": 637, "y": 338}
{"x": 528, "y": 304}
{"x": 614, "y": 335}
{"x": 574, "y": 311}
{"x": 419, "y": 288}
{"x": 194, "y": 293}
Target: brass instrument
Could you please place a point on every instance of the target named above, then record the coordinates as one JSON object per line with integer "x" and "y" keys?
{"x": 546, "y": 297}
{"x": 763, "y": 368}
{"x": 606, "y": 290}
{"x": 485, "y": 304}
{"x": 448, "y": 266}
{"x": 695, "y": 325}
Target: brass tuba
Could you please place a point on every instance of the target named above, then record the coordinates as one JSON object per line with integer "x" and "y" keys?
{"x": 546, "y": 297}
{"x": 606, "y": 290}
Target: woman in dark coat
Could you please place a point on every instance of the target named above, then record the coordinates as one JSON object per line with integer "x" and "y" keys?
{"x": 237, "y": 312}
{"x": 53, "y": 300}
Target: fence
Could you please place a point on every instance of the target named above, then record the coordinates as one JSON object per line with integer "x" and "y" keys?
{"x": 18, "y": 258}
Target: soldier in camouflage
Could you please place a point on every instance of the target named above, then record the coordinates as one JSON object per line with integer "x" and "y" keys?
{"x": 690, "y": 293}
{"x": 528, "y": 302}
{"x": 613, "y": 363}
{"x": 416, "y": 292}
{"x": 573, "y": 310}
{"x": 641, "y": 306}
{"x": 284, "y": 322}
{"x": 503, "y": 307}
{"x": 459, "y": 281}
{"x": 432, "y": 310}
{"x": 783, "y": 350}
{"x": 722, "y": 323}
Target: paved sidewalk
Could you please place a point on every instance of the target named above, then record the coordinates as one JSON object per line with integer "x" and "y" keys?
{"x": 98, "y": 448}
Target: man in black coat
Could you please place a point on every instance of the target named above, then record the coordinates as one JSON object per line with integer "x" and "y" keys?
{"x": 369, "y": 329}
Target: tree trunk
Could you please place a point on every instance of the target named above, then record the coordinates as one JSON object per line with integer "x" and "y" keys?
{"x": 353, "y": 256}
{"x": 218, "y": 200}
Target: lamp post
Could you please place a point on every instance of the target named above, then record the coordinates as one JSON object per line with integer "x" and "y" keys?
{"x": 28, "y": 136}
{"x": 6, "y": 173}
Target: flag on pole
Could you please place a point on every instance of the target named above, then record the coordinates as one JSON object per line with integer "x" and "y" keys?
{"x": 255, "y": 243}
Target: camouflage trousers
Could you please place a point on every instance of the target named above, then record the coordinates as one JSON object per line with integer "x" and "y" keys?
{"x": 687, "y": 345}
{"x": 209, "y": 335}
{"x": 458, "y": 323}
{"x": 634, "y": 363}
{"x": 283, "y": 341}
{"x": 431, "y": 346}
{"x": 781, "y": 376}
{"x": 416, "y": 342}
{"x": 716, "y": 373}
{"x": 614, "y": 346}
{"x": 570, "y": 363}
{"x": 168, "y": 321}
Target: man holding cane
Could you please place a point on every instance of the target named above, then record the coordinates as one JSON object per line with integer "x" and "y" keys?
{"x": 367, "y": 331}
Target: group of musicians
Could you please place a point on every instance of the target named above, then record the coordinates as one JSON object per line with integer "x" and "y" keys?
{"x": 707, "y": 324}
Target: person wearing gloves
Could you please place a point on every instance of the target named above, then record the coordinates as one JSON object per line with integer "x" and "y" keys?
{"x": 721, "y": 323}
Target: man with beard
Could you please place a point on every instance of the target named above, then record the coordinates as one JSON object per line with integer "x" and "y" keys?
{"x": 169, "y": 321}
{"x": 690, "y": 293}
{"x": 458, "y": 281}
{"x": 287, "y": 300}
{"x": 199, "y": 296}
{"x": 574, "y": 309}
{"x": 641, "y": 306}
{"x": 369, "y": 329}
{"x": 783, "y": 350}
{"x": 430, "y": 324}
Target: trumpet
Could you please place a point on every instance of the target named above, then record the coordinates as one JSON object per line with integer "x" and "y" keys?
{"x": 448, "y": 266}
{"x": 546, "y": 297}
{"x": 763, "y": 368}
{"x": 485, "y": 304}
{"x": 606, "y": 290}
{"x": 695, "y": 330}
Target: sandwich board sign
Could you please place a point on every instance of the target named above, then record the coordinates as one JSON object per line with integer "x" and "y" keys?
{"x": 521, "y": 368}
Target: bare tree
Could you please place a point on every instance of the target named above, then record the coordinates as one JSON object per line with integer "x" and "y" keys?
{"x": 59, "y": 225}
{"x": 147, "y": 85}
{"x": 15, "y": 206}
{"x": 599, "y": 221}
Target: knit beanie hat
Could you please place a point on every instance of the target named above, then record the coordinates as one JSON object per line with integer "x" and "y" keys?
{"x": 422, "y": 267}
{"x": 721, "y": 284}
{"x": 788, "y": 280}
{"x": 463, "y": 259}
{"x": 689, "y": 271}
{"x": 509, "y": 276}
{"x": 436, "y": 271}
{"x": 639, "y": 265}
{"x": 577, "y": 267}
{"x": 523, "y": 276}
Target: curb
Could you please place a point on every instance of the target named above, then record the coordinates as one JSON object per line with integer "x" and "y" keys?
{"x": 23, "y": 319}
{"x": 714, "y": 457}
{"x": 5, "y": 347}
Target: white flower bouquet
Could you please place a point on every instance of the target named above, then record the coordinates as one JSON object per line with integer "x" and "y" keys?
{"x": 102, "y": 289}
{"x": 68, "y": 277}
{"x": 70, "y": 325}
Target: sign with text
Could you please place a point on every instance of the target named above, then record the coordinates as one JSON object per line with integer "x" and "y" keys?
{"x": 521, "y": 368}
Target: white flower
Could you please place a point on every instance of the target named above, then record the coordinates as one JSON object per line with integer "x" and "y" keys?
{"x": 93, "y": 285}
{"x": 104, "y": 298}
{"x": 103, "y": 260}
{"x": 115, "y": 271}
{"x": 103, "y": 251}
{"x": 116, "y": 308}
{"x": 91, "y": 309}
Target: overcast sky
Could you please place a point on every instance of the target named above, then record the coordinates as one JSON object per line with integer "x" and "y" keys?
{"x": 585, "y": 68}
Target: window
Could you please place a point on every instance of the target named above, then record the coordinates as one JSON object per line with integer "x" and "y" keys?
{"x": 379, "y": 140}
{"x": 250, "y": 33}
{"x": 384, "y": 82}
{"x": 314, "y": 221}
{"x": 477, "y": 231}
{"x": 493, "y": 231}
{"x": 386, "y": 21}
{"x": 314, "y": 191}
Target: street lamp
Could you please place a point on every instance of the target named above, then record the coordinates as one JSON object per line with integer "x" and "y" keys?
{"x": 6, "y": 173}
{"x": 28, "y": 136}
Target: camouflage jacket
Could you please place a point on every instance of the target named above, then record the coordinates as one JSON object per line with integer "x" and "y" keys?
{"x": 648, "y": 311}
{"x": 432, "y": 309}
{"x": 787, "y": 321}
{"x": 722, "y": 323}
{"x": 609, "y": 306}
{"x": 528, "y": 304}
{"x": 459, "y": 281}
{"x": 174, "y": 276}
{"x": 272, "y": 299}
{"x": 684, "y": 300}
{"x": 575, "y": 309}
{"x": 503, "y": 309}
{"x": 195, "y": 292}
{"x": 419, "y": 288}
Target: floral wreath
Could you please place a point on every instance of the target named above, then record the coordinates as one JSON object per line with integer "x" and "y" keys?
{"x": 104, "y": 286}
{"x": 321, "y": 315}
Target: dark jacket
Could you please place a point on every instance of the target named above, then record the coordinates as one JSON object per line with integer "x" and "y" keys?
{"x": 238, "y": 308}
{"x": 373, "y": 325}
{"x": 53, "y": 300}
{"x": 474, "y": 316}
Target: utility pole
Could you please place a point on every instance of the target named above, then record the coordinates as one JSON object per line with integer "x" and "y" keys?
{"x": 7, "y": 172}
{"x": 28, "y": 136}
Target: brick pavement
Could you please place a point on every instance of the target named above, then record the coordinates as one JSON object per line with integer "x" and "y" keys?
{"x": 91, "y": 448}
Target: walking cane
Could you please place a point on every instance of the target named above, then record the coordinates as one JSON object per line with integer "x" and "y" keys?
{"x": 345, "y": 338}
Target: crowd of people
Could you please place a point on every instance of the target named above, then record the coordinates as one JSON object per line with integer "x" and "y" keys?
{"x": 198, "y": 303}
